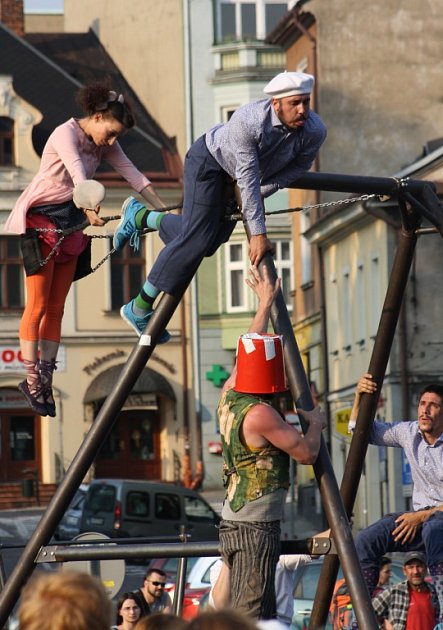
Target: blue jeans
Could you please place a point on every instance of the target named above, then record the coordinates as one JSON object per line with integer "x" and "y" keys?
{"x": 376, "y": 540}
{"x": 200, "y": 229}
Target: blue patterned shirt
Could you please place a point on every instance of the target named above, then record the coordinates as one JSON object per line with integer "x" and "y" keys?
{"x": 425, "y": 460}
{"x": 263, "y": 155}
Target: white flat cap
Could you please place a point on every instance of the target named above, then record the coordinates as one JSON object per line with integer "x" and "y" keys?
{"x": 289, "y": 84}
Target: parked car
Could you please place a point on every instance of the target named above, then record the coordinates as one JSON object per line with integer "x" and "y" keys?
{"x": 69, "y": 526}
{"x": 305, "y": 587}
{"x": 197, "y": 583}
{"x": 122, "y": 508}
{"x": 170, "y": 566}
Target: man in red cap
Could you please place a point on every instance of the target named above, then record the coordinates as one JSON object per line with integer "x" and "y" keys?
{"x": 256, "y": 443}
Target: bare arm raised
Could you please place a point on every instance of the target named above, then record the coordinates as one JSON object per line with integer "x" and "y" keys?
{"x": 266, "y": 291}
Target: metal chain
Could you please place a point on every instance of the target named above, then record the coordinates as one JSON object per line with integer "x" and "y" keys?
{"x": 325, "y": 204}
{"x": 72, "y": 230}
{"x": 231, "y": 217}
{"x": 237, "y": 216}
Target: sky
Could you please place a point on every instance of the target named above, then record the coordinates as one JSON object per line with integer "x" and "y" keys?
{"x": 33, "y": 6}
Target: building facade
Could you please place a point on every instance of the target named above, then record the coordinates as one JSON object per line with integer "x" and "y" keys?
{"x": 150, "y": 435}
{"x": 372, "y": 130}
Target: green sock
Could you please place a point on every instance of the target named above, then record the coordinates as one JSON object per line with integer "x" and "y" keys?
{"x": 145, "y": 299}
{"x": 145, "y": 218}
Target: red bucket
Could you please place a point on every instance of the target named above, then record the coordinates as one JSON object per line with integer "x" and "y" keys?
{"x": 260, "y": 367}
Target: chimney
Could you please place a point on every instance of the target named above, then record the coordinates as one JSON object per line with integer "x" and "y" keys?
{"x": 11, "y": 14}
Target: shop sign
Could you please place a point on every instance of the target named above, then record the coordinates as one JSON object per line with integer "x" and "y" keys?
{"x": 141, "y": 401}
{"x": 341, "y": 420}
{"x": 11, "y": 359}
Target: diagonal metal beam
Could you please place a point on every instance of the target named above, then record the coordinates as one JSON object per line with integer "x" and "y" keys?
{"x": 331, "y": 498}
{"x": 377, "y": 367}
{"x": 76, "y": 472}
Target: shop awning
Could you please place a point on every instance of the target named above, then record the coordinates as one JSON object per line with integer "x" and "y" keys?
{"x": 148, "y": 381}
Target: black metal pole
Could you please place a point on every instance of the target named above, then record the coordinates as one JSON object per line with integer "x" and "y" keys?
{"x": 331, "y": 498}
{"x": 114, "y": 549}
{"x": 87, "y": 452}
{"x": 368, "y": 407}
{"x": 428, "y": 204}
{"x": 177, "y": 605}
{"x": 336, "y": 182}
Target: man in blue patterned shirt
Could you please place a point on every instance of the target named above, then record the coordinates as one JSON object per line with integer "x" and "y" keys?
{"x": 264, "y": 146}
{"x": 422, "y": 528}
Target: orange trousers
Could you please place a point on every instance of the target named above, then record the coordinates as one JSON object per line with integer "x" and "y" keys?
{"x": 46, "y": 296}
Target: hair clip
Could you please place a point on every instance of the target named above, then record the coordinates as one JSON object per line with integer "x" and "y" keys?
{"x": 113, "y": 96}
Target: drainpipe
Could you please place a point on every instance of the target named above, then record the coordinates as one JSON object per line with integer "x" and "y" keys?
{"x": 189, "y": 480}
{"x": 299, "y": 24}
{"x": 324, "y": 340}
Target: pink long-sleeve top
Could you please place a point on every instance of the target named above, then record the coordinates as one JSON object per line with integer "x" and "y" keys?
{"x": 69, "y": 157}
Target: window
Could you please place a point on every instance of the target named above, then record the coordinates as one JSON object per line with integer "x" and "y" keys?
{"x": 100, "y": 498}
{"x": 361, "y": 306}
{"x": 6, "y": 141}
{"x": 206, "y": 578}
{"x": 167, "y": 506}
{"x": 227, "y": 111}
{"x": 127, "y": 275}
{"x": 198, "y": 510}
{"x": 274, "y": 13}
{"x": 137, "y": 504}
{"x": 237, "y": 265}
{"x": 375, "y": 295}
{"x": 305, "y": 250}
{"x": 347, "y": 320}
{"x": 235, "y": 277}
{"x": 248, "y": 20}
{"x": 334, "y": 317}
{"x": 285, "y": 270}
{"x": 11, "y": 273}
{"x": 227, "y": 22}
{"x": 22, "y": 438}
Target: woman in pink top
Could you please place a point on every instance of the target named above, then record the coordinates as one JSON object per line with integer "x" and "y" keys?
{"x": 71, "y": 156}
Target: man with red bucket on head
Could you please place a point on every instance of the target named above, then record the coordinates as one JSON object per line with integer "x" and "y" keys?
{"x": 256, "y": 443}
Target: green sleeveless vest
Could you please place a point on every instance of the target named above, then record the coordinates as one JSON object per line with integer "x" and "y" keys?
{"x": 248, "y": 474}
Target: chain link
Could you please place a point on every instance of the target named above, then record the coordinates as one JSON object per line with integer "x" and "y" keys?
{"x": 325, "y": 204}
{"x": 231, "y": 217}
{"x": 72, "y": 230}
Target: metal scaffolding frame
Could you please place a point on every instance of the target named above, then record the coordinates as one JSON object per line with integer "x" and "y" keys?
{"x": 416, "y": 199}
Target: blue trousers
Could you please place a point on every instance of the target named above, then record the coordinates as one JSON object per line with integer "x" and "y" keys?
{"x": 376, "y": 540}
{"x": 200, "y": 229}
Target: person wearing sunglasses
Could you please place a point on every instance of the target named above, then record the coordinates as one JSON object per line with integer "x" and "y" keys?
{"x": 154, "y": 597}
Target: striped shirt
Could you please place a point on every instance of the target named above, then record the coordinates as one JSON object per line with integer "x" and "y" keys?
{"x": 425, "y": 460}
{"x": 263, "y": 155}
